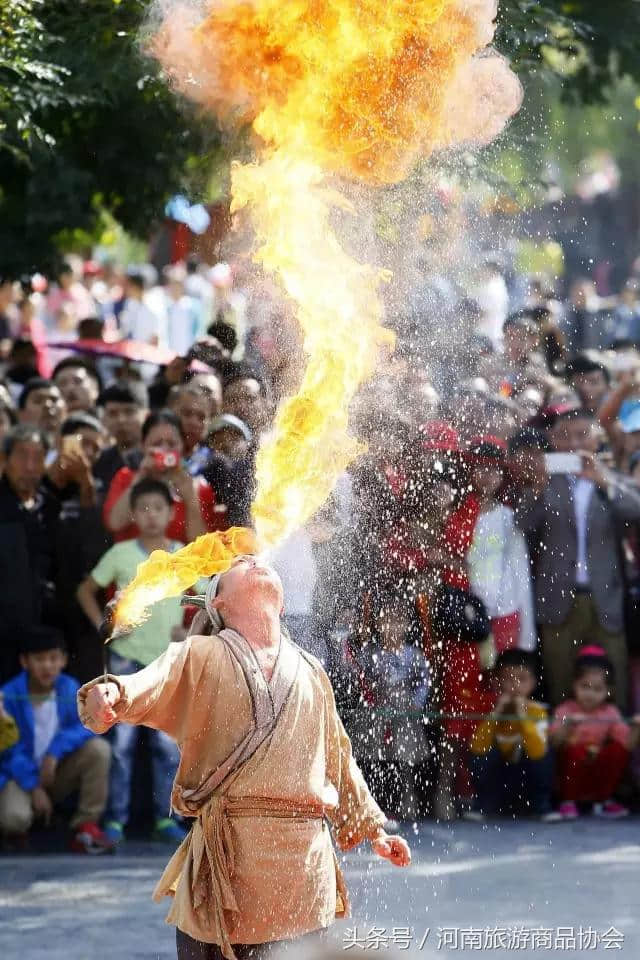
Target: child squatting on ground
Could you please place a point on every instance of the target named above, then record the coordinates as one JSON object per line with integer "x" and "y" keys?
{"x": 55, "y": 756}
{"x": 511, "y": 764}
{"x": 592, "y": 741}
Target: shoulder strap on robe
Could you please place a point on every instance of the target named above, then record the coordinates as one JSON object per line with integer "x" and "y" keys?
{"x": 267, "y": 704}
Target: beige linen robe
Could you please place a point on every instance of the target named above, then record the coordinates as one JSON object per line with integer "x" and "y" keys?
{"x": 259, "y": 863}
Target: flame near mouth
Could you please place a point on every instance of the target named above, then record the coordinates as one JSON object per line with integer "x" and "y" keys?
{"x": 357, "y": 88}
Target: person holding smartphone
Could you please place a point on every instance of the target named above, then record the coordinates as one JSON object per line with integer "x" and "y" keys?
{"x": 572, "y": 519}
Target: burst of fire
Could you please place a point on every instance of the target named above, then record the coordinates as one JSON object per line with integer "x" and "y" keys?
{"x": 170, "y": 574}
{"x": 339, "y": 312}
{"x": 357, "y": 88}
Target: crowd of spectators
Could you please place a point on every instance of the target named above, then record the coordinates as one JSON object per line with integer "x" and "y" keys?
{"x": 472, "y": 587}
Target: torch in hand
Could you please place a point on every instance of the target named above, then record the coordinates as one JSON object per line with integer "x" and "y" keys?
{"x": 109, "y": 630}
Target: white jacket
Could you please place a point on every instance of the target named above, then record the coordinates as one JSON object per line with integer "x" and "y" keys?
{"x": 499, "y": 570}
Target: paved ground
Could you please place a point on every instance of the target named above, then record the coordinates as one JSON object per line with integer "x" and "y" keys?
{"x": 476, "y": 889}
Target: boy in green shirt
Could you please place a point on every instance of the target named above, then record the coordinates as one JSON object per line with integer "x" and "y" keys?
{"x": 152, "y": 507}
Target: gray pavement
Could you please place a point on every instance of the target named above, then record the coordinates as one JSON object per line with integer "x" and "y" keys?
{"x": 499, "y": 889}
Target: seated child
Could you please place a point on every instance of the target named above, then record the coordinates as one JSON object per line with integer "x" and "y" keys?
{"x": 591, "y": 739}
{"x": 152, "y": 508}
{"x": 389, "y": 730}
{"x": 510, "y": 760}
{"x": 55, "y": 755}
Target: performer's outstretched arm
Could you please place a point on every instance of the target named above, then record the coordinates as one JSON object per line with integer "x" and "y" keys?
{"x": 154, "y": 697}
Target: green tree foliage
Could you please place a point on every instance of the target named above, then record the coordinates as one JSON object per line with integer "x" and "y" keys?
{"x": 589, "y": 44}
{"x": 26, "y": 80}
{"x": 89, "y": 124}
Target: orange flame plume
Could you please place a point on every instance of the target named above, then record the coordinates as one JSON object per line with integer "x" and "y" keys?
{"x": 357, "y": 88}
{"x": 170, "y": 574}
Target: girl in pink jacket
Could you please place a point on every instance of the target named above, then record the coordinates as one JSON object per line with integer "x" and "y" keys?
{"x": 592, "y": 740}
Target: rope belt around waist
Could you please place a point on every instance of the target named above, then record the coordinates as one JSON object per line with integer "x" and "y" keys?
{"x": 270, "y": 807}
{"x": 212, "y": 839}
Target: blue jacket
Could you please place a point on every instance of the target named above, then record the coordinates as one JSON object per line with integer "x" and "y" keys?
{"x": 18, "y": 763}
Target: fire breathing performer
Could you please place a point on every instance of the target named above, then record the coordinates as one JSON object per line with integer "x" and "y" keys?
{"x": 265, "y": 768}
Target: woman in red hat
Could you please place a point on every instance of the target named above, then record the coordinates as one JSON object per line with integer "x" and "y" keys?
{"x": 428, "y": 550}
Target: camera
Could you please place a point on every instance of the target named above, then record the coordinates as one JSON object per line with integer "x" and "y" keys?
{"x": 166, "y": 459}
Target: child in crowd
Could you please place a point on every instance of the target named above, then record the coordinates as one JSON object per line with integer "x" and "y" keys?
{"x": 511, "y": 762}
{"x": 498, "y": 559}
{"x": 389, "y": 736}
{"x": 55, "y": 755}
{"x": 592, "y": 740}
{"x": 152, "y": 507}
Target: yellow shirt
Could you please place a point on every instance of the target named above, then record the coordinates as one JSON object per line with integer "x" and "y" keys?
{"x": 514, "y": 737}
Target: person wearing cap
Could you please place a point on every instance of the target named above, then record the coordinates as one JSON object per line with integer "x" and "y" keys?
{"x": 498, "y": 559}
{"x": 573, "y": 519}
{"x": 426, "y": 554}
{"x": 230, "y": 436}
{"x": 55, "y": 755}
{"x": 266, "y": 769}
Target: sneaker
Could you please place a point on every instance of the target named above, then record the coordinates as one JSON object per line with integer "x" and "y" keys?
{"x": 114, "y": 830}
{"x": 169, "y": 831}
{"x": 551, "y": 816}
{"x": 610, "y": 810}
{"x": 474, "y": 816}
{"x": 568, "y": 810}
{"x": 89, "y": 838}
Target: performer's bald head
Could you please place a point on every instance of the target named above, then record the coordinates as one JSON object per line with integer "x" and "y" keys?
{"x": 248, "y": 582}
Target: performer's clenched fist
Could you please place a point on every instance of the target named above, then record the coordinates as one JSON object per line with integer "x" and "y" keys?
{"x": 393, "y": 848}
{"x": 101, "y": 700}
